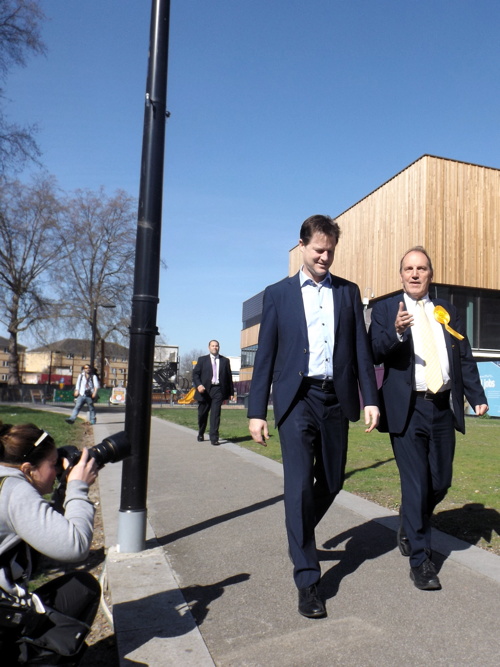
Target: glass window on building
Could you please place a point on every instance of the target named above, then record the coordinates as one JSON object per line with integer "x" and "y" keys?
{"x": 480, "y": 312}
{"x": 489, "y": 317}
{"x": 248, "y": 356}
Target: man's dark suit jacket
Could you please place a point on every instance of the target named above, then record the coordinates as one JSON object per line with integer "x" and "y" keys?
{"x": 202, "y": 374}
{"x": 399, "y": 365}
{"x": 282, "y": 357}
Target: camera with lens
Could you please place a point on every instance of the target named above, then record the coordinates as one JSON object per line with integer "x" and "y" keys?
{"x": 112, "y": 449}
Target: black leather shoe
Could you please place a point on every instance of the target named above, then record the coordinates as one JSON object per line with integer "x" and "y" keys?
{"x": 403, "y": 543}
{"x": 425, "y": 576}
{"x": 215, "y": 442}
{"x": 200, "y": 438}
{"x": 310, "y": 604}
{"x": 69, "y": 420}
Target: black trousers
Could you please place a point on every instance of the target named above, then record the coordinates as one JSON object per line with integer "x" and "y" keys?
{"x": 424, "y": 455}
{"x": 313, "y": 438}
{"x": 212, "y": 404}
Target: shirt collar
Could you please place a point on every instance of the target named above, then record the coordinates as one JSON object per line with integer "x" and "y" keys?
{"x": 425, "y": 299}
{"x": 305, "y": 280}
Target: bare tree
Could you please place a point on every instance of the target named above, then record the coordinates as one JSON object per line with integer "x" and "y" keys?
{"x": 19, "y": 36}
{"x": 98, "y": 238}
{"x": 29, "y": 246}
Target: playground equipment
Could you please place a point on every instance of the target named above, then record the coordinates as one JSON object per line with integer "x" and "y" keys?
{"x": 188, "y": 398}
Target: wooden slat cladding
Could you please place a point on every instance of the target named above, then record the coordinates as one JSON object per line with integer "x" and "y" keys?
{"x": 451, "y": 208}
{"x": 249, "y": 336}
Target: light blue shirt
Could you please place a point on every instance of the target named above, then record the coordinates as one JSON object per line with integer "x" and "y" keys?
{"x": 318, "y": 307}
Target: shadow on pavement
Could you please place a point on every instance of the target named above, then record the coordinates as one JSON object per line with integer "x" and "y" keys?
{"x": 199, "y": 598}
{"x": 364, "y": 542}
{"x": 171, "y": 612}
{"x": 470, "y": 523}
{"x": 214, "y": 521}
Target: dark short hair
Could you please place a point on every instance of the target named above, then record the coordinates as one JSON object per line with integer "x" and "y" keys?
{"x": 416, "y": 248}
{"x": 213, "y": 341}
{"x": 319, "y": 224}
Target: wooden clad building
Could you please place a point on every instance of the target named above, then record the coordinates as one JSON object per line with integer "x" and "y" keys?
{"x": 452, "y": 209}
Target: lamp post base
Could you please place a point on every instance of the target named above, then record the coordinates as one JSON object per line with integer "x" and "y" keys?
{"x": 131, "y": 531}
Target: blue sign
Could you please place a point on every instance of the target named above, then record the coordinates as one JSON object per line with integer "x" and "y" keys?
{"x": 490, "y": 379}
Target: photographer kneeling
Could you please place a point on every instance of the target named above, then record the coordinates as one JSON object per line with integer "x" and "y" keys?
{"x": 47, "y": 626}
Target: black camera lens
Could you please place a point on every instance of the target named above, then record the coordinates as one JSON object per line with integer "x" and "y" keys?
{"x": 110, "y": 450}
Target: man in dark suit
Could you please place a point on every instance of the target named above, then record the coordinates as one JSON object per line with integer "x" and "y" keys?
{"x": 313, "y": 349}
{"x": 214, "y": 384}
{"x": 428, "y": 367}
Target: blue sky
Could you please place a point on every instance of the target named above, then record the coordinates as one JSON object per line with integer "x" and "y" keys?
{"x": 279, "y": 109}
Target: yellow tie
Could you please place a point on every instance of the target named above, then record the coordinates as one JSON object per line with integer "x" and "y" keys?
{"x": 432, "y": 366}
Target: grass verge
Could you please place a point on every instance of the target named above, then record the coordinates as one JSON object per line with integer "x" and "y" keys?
{"x": 470, "y": 511}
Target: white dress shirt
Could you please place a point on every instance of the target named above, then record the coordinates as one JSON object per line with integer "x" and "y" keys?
{"x": 419, "y": 379}
{"x": 318, "y": 307}
{"x": 217, "y": 364}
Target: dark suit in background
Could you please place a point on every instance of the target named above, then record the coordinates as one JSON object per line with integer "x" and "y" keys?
{"x": 311, "y": 411}
{"x": 211, "y": 398}
{"x": 421, "y": 423}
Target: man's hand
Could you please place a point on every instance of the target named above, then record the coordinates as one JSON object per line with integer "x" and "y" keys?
{"x": 259, "y": 431}
{"x": 403, "y": 319}
{"x": 481, "y": 410}
{"x": 200, "y": 388}
{"x": 372, "y": 416}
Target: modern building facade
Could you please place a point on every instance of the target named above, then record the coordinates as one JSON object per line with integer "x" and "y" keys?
{"x": 452, "y": 209}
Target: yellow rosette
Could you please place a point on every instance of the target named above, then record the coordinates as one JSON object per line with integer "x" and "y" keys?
{"x": 443, "y": 317}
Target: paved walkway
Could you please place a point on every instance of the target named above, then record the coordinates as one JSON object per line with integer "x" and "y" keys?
{"x": 214, "y": 586}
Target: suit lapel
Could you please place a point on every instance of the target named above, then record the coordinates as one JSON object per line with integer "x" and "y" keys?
{"x": 296, "y": 309}
{"x": 338, "y": 297}
{"x": 447, "y": 336}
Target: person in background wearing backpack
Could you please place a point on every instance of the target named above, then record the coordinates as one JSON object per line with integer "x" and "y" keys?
{"x": 86, "y": 390}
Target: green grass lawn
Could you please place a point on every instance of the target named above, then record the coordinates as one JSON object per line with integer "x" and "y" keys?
{"x": 53, "y": 423}
{"x": 471, "y": 510}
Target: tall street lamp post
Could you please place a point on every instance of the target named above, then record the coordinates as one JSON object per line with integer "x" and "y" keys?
{"x": 143, "y": 330}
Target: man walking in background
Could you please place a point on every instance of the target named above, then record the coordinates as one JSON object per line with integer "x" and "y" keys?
{"x": 313, "y": 349}
{"x": 86, "y": 389}
{"x": 213, "y": 381}
{"x": 428, "y": 367}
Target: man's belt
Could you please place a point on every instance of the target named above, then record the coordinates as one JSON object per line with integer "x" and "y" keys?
{"x": 325, "y": 385}
{"x": 441, "y": 398}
